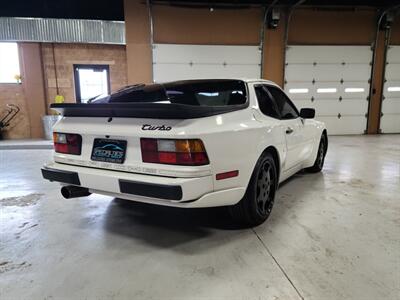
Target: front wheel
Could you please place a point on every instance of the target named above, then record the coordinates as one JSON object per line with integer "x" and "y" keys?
{"x": 320, "y": 159}
{"x": 256, "y": 205}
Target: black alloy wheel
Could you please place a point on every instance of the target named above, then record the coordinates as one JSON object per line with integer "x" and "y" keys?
{"x": 265, "y": 188}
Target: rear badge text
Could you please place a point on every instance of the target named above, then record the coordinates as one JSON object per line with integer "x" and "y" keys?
{"x": 155, "y": 127}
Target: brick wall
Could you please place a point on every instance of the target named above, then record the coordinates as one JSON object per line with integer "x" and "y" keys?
{"x": 66, "y": 55}
{"x": 19, "y": 126}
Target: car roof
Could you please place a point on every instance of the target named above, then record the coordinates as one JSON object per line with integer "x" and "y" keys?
{"x": 247, "y": 80}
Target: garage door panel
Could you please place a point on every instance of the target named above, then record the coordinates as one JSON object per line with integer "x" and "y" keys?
{"x": 334, "y": 81}
{"x": 348, "y": 124}
{"x": 355, "y": 90}
{"x": 354, "y": 106}
{"x": 393, "y": 54}
{"x": 299, "y": 72}
{"x": 391, "y": 106}
{"x": 170, "y": 72}
{"x": 328, "y": 54}
{"x": 327, "y": 107}
{"x": 299, "y": 90}
{"x": 390, "y": 121}
{"x": 392, "y": 72}
{"x": 176, "y": 53}
{"x": 391, "y": 89}
{"x": 357, "y": 72}
{"x": 304, "y": 104}
{"x": 175, "y": 61}
{"x": 327, "y": 72}
{"x": 328, "y": 90}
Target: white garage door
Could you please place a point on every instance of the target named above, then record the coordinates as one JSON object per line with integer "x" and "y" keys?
{"x": 176, "y": 62}
{"x": 390, "y": 120}
{"x": 334, "y": 80}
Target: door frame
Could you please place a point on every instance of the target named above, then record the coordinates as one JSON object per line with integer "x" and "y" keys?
{"x": 88, "y": 66}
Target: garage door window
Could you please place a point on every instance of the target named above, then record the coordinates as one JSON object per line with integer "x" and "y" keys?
{"x": 267, "y": 106}
{"x": 285, "y": 107}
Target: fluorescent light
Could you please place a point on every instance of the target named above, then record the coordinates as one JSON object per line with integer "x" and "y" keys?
{"x": 298, "y": 91}
{"x": 354, "y": 90}
{"x": 394, "y": 89}
{"x": 326, "y": 90}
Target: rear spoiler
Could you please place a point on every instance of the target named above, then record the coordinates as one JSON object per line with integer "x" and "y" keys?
{"x": 142, "y": 110}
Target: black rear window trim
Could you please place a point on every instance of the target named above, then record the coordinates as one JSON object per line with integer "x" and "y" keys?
{"x": 148, "y": 110}
{"x": 246, "y": 90}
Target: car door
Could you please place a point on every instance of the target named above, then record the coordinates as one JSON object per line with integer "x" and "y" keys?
{"x": 293, "y": 128}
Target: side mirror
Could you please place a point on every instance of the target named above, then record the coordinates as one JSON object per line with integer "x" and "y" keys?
{"x": 307, "y": 113}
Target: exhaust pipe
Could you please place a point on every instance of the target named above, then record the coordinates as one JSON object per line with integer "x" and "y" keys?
{"x": 72, "y": 191}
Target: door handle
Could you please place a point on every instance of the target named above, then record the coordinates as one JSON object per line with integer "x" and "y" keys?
{"x": 289, "y": 130}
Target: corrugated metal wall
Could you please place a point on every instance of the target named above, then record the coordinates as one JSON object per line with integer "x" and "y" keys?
{"x": 62, "y": 30}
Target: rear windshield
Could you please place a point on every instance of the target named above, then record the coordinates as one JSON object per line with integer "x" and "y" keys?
{"x": 190, "y": 92}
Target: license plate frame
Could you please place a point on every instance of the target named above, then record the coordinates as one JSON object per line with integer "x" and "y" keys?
{"x": 109, "y": 150}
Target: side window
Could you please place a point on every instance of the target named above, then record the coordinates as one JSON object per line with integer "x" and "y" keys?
{"x": 267, "y": 106}
{"x": 285, "y": 107}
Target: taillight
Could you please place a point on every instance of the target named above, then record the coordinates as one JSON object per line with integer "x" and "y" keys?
{"x": 67, "y": 143}
{"x": 189, "y": 152}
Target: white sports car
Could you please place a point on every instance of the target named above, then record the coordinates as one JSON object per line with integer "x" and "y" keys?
{"x": 194, "y": 143}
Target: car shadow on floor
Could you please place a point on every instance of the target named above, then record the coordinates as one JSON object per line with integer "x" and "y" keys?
{"x": 164, "y": 216}
{"x": 166, "y": 227}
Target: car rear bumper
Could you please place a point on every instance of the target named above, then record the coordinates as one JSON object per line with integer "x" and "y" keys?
{"x": 169, "y": 191}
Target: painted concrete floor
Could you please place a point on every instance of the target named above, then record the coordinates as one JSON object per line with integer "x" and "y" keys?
{"x": 333, "y": 235}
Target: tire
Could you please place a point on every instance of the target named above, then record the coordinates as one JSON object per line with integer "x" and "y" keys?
{"x": 256, "y": 205}
{"x": 320, "y": 159}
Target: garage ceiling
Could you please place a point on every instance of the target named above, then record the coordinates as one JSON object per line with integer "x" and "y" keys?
{"x": 241, "y": 3}
{"x": 114, "y": 9}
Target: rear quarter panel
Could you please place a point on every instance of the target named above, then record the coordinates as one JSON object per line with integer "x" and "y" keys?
{"x": 235, "y": 141}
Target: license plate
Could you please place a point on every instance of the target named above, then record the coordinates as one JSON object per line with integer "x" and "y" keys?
{"x": 112, "y": 151}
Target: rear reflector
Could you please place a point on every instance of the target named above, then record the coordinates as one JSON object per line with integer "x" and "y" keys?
{"x": 174, "y": 152}
{"x": 226, "y": 175}
{"x": 67, "y": 143}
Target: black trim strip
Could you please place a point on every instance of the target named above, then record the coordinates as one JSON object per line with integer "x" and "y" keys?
{"x": 142, "y": 110}
{"x": 61, "y": 176}
{"x": 169, "y": 192}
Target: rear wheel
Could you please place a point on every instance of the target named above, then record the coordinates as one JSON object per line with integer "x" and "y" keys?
{"x": 320, "y": 159}
{"x": 257, "y": 203}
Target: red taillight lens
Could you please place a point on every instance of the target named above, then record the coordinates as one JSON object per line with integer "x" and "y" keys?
{"x": 67, "y": 143}
{"x": 174, "y": 152}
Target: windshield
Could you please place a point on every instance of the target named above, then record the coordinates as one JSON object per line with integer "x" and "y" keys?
{"x": 218, "y": 92}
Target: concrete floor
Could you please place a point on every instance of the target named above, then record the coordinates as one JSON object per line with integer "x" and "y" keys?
{"x": 333, "y": 235}
{"x": 26, "y": 144}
